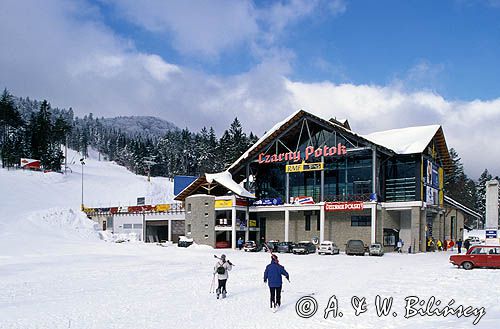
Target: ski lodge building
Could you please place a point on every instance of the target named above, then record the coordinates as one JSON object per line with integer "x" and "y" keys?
{"x": 314, "y": 179}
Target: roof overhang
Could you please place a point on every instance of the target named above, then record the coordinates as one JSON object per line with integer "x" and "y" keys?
{"x": 218, "y": 183}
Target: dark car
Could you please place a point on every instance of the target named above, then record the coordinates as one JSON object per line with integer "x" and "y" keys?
{"x": 478, "y": 256}
{"x": 304, "y": 247}
{"x": 355, "y": 247}
{"x": 285, "y": 246}
{"x": 184, "y": 242}
{"x": 272, "y": 244}
{"x": 252, "y": 246}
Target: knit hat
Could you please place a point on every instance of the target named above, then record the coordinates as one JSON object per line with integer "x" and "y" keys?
{"x": 223, "y": 257}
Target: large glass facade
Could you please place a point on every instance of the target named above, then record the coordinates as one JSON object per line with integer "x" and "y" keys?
{"x": 349, "y": 178}
{"x": 400, "y": 183}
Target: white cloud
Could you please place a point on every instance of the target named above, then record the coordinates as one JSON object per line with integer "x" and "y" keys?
{"x": 198, "y": 27}
{"x": 206, "y": 28}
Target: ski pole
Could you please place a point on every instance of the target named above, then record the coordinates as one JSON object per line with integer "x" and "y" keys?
{"x": 212, "y": 285}
{"x": 215, "y": 256}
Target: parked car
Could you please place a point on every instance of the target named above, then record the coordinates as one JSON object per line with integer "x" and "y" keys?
{"x": 285, "y": 246}
{"x": 328, "y": 247}
{"x": 376, "y": 249}
{"x": 272, "y": 244}
{"x": 304, "y": 247}
{"x": 478, "y": 256}
{"x": 184, "y": 241}
{"x": 474, "y": 240}
{"x": 222, "y": 244}
{"x": 252, "y": 246}
{"x": 355, "y": 247}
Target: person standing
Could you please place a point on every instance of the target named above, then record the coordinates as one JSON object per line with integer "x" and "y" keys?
{"x": 399, "y": 246}
{"x": 272, "y": 275}
{"x": 439, "y": 245}
{"x": 466, "y": 245}
{"x": 459, "y": 246}
{"x": 221, "y": 268}
{"x": 239, "y": 243}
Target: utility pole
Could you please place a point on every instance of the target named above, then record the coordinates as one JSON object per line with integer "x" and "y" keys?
{"x": 83, "y": 163}
{"x": 149, "y": 162}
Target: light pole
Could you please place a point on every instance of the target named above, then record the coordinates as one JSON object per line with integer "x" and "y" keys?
{"x": 149, "y": 162}
{"x": 83, "y": 163}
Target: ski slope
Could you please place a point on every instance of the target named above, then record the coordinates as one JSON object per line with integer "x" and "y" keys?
{"x": 56, "y": 273}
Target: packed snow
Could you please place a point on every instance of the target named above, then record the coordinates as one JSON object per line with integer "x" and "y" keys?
{"x": 56, "y": 271}
{"x": 409, "y": 140}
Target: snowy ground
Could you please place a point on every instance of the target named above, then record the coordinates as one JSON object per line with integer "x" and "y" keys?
{"x": 56, "y": 273}
{"x": 101, "y": 285}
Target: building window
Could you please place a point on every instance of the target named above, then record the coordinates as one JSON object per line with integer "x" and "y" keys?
{"x": 127, "y": 226}
{"x": 361, "y": 221}
{"x": 188, "y": 229}
{"x": 206, "y": 204}
{"x": 206, "y": 225}
{"x": 206, "y": 214}
{"x": 390, "y": 237}
{"x": 138, "y": 226}
{"x": 318, "y": 221}
{"x": 308, "y": 222}
{"x": 206, "y": 236}
{"x": 189, "y": 207}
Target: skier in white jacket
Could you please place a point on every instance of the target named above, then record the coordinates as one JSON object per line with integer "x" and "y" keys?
{"x": 221, "y": 268}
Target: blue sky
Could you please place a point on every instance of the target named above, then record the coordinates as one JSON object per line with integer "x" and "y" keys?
{"x": 380, "y": 64}
{"x": 454, "y": 43}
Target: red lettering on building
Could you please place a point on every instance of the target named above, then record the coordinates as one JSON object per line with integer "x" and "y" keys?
{"x": 344, "y": 206}
{"x": 309, "y": 152}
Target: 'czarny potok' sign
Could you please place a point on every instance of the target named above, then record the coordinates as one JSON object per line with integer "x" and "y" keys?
{"x": 309, "y": 152}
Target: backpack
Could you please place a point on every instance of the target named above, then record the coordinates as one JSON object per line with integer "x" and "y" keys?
{"x": 221, "y": 270}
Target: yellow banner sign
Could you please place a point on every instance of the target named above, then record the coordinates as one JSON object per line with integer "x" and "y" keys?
{"x": 223, "y": 203}
{"x": 313, "y": 166}
{"x": 252, "y": 223}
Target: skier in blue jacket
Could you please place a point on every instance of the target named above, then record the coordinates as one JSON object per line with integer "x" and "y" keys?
{"x": 272, "y": 275}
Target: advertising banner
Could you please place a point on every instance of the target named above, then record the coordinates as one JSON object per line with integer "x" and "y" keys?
{"x": 302, "y": 167}
{"x": 302, "y": 200}
{"x": 268, "y": 202}
{"x": 223, "y": 203}
{"x": 344, "y": 206}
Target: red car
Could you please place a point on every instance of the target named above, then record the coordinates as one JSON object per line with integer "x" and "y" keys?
{"x": 478, "y": 256}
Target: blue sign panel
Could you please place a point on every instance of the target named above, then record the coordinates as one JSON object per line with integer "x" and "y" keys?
{"x": 268, "y": 202}
{"x": 491, "y": 234}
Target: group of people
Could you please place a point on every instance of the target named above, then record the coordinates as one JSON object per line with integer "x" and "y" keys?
{"x": 433, "y": 245}
{"x": 272, "y": 276}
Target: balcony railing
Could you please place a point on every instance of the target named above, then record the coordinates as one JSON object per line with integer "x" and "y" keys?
{"x": 400, "y": 189}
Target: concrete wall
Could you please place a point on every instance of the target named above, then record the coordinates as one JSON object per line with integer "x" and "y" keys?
{"x": 200, "y": 219}
{"x": 457, "y": 231}
{"x": 339, "y": 230}
{"x": 337, "y": 227}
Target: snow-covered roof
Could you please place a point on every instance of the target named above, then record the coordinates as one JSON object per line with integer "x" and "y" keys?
{"x": 223, "y": 178}
{"x": 460, "y": 206}
{"x": 405, "y": 140}
{"x": 226, "y": 179}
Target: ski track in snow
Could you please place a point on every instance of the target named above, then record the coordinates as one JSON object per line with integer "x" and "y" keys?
{"x": 56, "y": 273}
